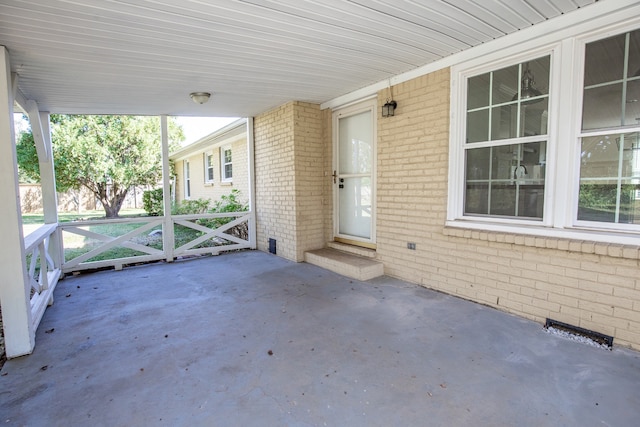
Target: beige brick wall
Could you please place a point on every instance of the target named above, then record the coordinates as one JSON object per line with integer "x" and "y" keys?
{"x": 213, "y": 191}
{"x": 591, "y": 285}
{"x": 310, "y": 178}
{"x": 289, "y": 159}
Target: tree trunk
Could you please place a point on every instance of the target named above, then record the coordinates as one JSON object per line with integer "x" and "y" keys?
{"x": 110, "y": 202}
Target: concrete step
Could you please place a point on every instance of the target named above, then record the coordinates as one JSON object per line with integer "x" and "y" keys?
{"x": 355, "y": 250}
{"x": 350, "y": 265}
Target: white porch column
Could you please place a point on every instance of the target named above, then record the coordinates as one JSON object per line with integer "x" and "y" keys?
{"x": 42, "y": 137}
{"x": 167, "y": 229}
{"x": 14, "y": 293}
{"x": 41, "y": 130}
{"x": 253, "y": 239}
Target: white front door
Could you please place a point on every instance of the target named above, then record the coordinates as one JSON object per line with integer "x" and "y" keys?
{"x": 354, "y": 174}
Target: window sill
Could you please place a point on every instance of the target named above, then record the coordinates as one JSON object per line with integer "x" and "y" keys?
{"x": 226, "y": 183}
{"x": 209, "y": 184}
{"x": 609, "y": 243}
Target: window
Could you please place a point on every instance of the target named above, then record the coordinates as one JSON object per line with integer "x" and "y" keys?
{"x": 548, "y": 143}
{"x": 506, "y": 140}
{"x": 208, "y": 167}
{"x": 226, "y": 164}
{"x": 610, "y": 145}
{"x": 187, "y": 180}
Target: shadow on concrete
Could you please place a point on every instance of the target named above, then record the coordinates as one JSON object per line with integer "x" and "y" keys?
{"x": 250, "y": 339}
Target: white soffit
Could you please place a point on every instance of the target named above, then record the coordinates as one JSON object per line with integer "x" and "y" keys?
{"x": 146, "y": 56}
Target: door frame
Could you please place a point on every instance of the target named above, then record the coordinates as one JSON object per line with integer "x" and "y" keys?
{"x": 350, "y": 110}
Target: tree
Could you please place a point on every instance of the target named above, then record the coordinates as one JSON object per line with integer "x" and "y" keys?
{"x": 105, "y": 154}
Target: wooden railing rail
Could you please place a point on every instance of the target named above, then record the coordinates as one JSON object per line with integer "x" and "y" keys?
{"x": 44, "y": 271}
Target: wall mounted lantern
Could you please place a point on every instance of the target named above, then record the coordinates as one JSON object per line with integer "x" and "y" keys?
{"x": 200, "y": 97}
{"x": 389, "y": 108}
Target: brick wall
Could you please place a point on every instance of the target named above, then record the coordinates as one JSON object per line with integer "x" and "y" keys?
{"x": 310, "y": 178}
{"x": 591, "y": 285}
{"x": 289, "y": 158}
{"x": 275, "y": 180}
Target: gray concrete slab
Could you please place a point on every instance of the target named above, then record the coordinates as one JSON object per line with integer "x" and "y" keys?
{"x": 250, "y": 339}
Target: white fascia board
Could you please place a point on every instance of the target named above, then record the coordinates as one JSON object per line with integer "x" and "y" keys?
{"x": 603, "y": 13}
{"x": 226, "y": 135}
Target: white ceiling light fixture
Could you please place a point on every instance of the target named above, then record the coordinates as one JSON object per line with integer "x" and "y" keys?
{"x": 200, "y": 97}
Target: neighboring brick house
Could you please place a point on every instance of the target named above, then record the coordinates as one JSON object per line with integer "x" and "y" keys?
{"x": 214, "y": 165}
{"x": 481, "y": 184}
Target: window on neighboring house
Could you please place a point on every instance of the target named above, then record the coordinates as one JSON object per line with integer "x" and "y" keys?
{"x": 208, "y": 167}
{"x": 609, "y": 138}
{"x": 226, "y": 164}
{"x": 548, "y": 147}
{"x": 187, "y": 180}
{"x": 506, "y": 140}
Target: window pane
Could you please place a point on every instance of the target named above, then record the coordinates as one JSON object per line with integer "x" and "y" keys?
{"x": 602, "y": 107}
{"x": 608, "y": 192}
{"x": 356, "y": 137}
{"x": 478, "y": 126}
{"x": 505, "y": 84}
{"x": 228, "y": 171}
{"x": 504, "y": 162}
{"x": 597, "y": 201}
{"x": 515, "y": 187}
{"x": 630, "y": 202}
{"x": 503, "y": 197}
{"x": 539, "y": 69}
{"x": 476, "y": 199}
{"x": 634, "y": 54}
{"x": 632, "y": 106}
{"x": 631, "y": 156}
{"x": 533, "y": 117}
{"x": 503, "y": 122}
{"x": 604, "y": 60}
{"x": 600, "y": 157}
{"x": 478, "y": 91}
{"x": 355, "y": 197}
{"x": 531, "y": 201}
{"x": 478, "y": 163}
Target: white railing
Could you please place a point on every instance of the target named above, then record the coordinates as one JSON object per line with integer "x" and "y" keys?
{"x": 235, "y": 234}
{"x": 100, "y": 242}
{"x": 43, "y": 270}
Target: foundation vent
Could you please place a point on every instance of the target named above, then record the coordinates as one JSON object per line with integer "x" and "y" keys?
{"x": 272, "y": 246}
{"x": 580, "y": 334}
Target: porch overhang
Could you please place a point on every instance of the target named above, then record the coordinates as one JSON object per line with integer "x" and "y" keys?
{"x": 145, "y": 58}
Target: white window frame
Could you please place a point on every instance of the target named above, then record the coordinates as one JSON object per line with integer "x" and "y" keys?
{"x": 224, "y": 163}
{"x": 564, "y": 131}
{"x": 580, "y": 58}
{"x": 187, "y": 179}
{"x": 209, "y": 167}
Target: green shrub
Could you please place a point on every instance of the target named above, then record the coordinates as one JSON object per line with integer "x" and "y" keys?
{"x": 227, "y": 203}
{"x": 191, "y": 207}
{"x": 152, "y": 202}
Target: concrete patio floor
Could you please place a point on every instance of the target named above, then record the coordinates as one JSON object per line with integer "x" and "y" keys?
{"x": 250, "y": 339}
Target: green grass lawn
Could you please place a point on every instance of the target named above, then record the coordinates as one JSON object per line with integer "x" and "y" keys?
{"x": 32, "y": 219}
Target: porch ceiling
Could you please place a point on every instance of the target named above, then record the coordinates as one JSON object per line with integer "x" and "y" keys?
{"x": 146, "y": 56}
